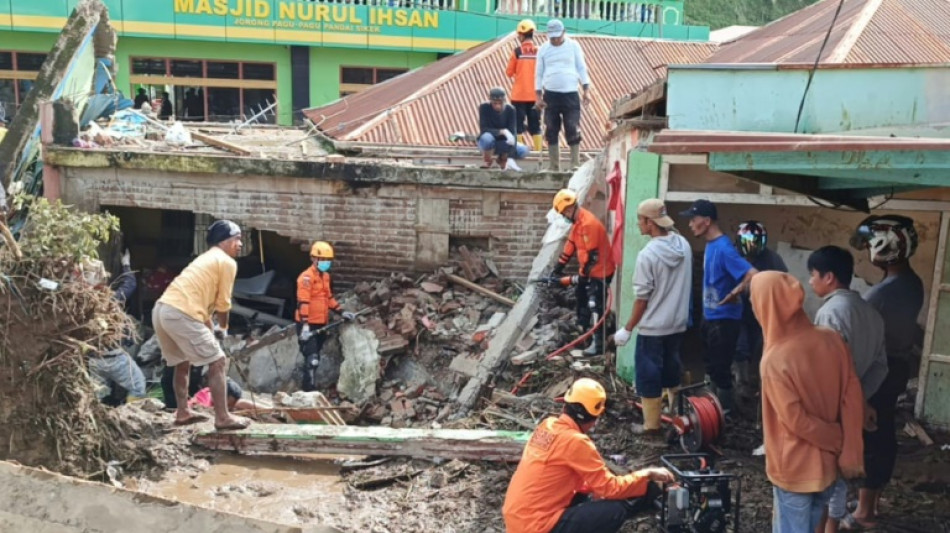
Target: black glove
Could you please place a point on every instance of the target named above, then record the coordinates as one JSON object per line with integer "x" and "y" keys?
{"x": 558, "y": 271}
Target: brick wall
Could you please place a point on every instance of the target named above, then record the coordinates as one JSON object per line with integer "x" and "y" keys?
{"x": 374, "y": 229}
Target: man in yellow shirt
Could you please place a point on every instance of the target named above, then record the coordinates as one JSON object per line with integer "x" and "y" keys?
{"x": 186, "y": 334}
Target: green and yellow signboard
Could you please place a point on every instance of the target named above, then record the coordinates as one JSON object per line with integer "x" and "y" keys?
{"x": 314, "y": 23}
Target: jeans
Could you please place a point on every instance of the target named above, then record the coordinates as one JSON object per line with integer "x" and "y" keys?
{"x": 487, "y": 142}
{"x": 657, "y": 363}
{"x": 562, "y": 108}
{"x": 719, "y": 348}
{"x": 604, "y": 516}
{"x": 117, "y": 370}
{"x": 794, "y": 512}
{"x": 838, "y": 503}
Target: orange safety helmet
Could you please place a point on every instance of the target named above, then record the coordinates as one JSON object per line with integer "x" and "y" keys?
{"x": 526, "y": 26}
{"x": 563, "y": 199}
{"x": 588, "y": 393}
{"x": 321, "y": 250}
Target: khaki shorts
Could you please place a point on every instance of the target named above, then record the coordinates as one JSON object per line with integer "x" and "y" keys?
{"x": 184, "y": 339}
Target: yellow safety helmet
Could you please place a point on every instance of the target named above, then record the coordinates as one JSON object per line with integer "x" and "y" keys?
{"x": 563, "y": 199}
{"x": 321, "y": 250}
{"x": 588, "y": 393}
{"x": 526, "y": 25}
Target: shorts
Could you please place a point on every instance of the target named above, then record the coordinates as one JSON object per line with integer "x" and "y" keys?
{"x": 184, "y": 339}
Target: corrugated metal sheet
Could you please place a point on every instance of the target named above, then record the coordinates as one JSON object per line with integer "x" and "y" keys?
{"x": 448, "y": 103}
{"x": 899, "y": 32}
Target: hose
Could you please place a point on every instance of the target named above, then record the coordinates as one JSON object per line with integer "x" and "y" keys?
{"x": 571, "y": 344}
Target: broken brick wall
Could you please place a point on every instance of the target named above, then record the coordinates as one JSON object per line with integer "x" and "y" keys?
{"x": 375, "y": 230}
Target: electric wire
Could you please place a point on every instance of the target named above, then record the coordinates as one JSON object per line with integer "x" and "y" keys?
{"x": 811, "y": 72}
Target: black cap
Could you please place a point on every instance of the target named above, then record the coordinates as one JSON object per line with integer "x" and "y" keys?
{"x": 497, "y": 93}
{"x": 222, "y": 230}
{"x": 701, "y": 208}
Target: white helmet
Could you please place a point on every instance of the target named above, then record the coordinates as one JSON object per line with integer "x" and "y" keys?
{"x": 888, "y": 239}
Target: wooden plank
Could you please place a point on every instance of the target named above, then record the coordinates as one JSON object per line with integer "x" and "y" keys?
{"x": 479, "y": 289}
{"x": 927, "y": 355}
{"x": 466, "y": 444}
{"x": 218, "y": 143}
{"x": 651, "y": 94}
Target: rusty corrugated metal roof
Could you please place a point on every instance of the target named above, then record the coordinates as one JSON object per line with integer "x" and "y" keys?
{"x": 871, "y": 32}
{"x": 423, "y": 107}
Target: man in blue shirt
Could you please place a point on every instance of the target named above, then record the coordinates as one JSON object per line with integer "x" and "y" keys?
{"x": 725, "y": 276}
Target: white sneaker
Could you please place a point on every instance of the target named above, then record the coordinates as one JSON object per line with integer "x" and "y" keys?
{"x": 512, "y": 165}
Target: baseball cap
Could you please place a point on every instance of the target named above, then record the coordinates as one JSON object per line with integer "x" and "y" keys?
{"x": 555, "y": 28}
{"x": 654, "y": 209}
{"x": 701, "y": 208}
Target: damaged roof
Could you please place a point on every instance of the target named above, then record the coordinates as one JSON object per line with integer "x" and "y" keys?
{"x": 423, "y": 107}
{"x": 885, "y": 32}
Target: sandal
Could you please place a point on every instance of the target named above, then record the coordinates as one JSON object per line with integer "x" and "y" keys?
{"x": 193, "y": 419}
{"x": 849, "y": 523}
{"x": 238, "y": 424}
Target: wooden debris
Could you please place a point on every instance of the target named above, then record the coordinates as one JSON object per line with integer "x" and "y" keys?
{"x": 353, "y": 440}
{"x": 219, "y": 143}
{"x": 479, "y": 289}
{"x": 914, "y": 429}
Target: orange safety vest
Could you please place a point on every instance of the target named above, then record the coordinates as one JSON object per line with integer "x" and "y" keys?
{"x": 588, "y": 234}
{"x": 521, "y": 67}
{"x": 315, "y": 297}
{"x": 558, "y": 462}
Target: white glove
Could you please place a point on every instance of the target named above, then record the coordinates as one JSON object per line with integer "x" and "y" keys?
{"x": 305, "y": 333}
{"x": 622, "y": 337}
{"x": 126, "y": 258}
{"x": 509, "y": 136}
{"x": 348, "y": 315}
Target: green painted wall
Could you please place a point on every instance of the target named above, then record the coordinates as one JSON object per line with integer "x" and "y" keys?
{"x": 22, "y": 41}
{"x": 325, "y": 66}
{"x": 643, "y": 181}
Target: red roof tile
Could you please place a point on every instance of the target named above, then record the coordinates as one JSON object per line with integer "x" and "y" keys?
{"x": 870, "y": 32}
{"x": 423, "y": 107}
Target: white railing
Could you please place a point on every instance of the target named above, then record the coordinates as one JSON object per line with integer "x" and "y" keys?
{"x": 607, "y": 10}
{"x": 449, "y": 5}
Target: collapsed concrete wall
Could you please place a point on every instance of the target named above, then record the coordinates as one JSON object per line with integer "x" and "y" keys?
{"x": 380, "y": 219}
{"x": 35, "y": 500}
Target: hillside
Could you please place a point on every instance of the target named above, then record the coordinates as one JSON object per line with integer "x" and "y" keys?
{"x": 721, "y": 13}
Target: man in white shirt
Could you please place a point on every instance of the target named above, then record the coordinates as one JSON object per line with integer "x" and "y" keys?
{"x": 560, "y": 69}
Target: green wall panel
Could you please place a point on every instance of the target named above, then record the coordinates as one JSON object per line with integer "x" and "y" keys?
{"x": 325, "y": 66}
{"x": 936, "y": 408}
{"x": 27, "y": 41}
{"x": 643, "y": 179}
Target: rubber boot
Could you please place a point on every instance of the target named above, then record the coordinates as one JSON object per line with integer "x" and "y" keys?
{"x": 727, "y": 399}
{"x": 651, "y": 414}
{"x": 488, "y": 159}
{"x": 575, "y": 156}
{"x": 671, "y": 394}
{"x": 597, "y": 346}
{"x": 537, "y": 140}
{"x": 554, "y": 158}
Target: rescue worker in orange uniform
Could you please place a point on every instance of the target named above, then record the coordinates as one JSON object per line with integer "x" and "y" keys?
{"x": 588, "y": 239}
{"x": 314, "y": 302}
{"x": 521, "y": 71}
{"x": 561, "y": 470}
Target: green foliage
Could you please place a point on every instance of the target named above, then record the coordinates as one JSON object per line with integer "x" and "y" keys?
{"x": 60, "y": 233}
{"x": 721, "y": 13}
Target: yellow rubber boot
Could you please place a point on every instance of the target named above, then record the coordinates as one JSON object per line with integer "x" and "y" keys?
{"x": 651, "y": 413}
{"x": 538, "y": 140}
{"x": 670, "y": 395}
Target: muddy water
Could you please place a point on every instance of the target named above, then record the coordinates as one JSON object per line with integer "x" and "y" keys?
{"x": 280, "y": 489}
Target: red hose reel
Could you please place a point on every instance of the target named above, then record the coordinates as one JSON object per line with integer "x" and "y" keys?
{"x": 700, "y": 419}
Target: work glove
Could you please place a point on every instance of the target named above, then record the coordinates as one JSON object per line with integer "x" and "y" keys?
{"x": 508, "y": 136}
{"x": 349, "y": 315}
{"x": 126, "y": 259}
{"x": 220, "y": 333}
{"x": 622, "y": 337}
{"x": 305, "y": 333}
{"x": 569, "y": 281}
{"x": 558, "y": 271}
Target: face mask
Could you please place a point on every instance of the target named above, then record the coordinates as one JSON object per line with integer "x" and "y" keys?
{"x": 323, "y": 266}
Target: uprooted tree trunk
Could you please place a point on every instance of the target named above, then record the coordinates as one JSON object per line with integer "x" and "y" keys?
{"x": 50, "y": 322}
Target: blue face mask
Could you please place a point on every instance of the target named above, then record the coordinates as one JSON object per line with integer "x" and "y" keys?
{"x": 323, "y": 266}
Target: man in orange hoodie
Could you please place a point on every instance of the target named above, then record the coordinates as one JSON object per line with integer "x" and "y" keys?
{"x": 812, "y": 405}
{"x": 314, "y": 302}
{"x": 521, "y": 71}
{"x": 560, "y": 467}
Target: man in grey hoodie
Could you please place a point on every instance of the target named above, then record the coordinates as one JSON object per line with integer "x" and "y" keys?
{"x": 662, "y": 281}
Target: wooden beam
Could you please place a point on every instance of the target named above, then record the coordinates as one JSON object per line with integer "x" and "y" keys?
{"x": 469, "y": 444}
{"x": 479, "y": 289}
{"x": 649, "y": 95}
{"x": 218, "y": 143}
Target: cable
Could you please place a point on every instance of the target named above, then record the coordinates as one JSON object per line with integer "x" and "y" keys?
{"x": 811, "y": 73}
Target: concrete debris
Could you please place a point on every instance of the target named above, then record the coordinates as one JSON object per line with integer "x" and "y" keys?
{"x": 360, "y": 369}
{"x": 269, "y": 364}
{"x": 465, "y": 364}
{"x": 526, "y": 358}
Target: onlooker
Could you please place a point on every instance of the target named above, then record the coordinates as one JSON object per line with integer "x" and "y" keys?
{"x": 140, "y": 98}
{"x": 812, "y": 408}
{"x": 560, "y": 69}
{"x": 751, "y": 240}
{"x": 725, "y": 276}
{"x": 561, "y": 469}
{"x": 314, "y": 302}
{"x": 862, "y": 328}
{"x": 497, "y": 123}
{"x": 588, "y": 239}
{"x": 891, "y": 241}
{"x": 166, "y": 111}
{"x": 662, "y": 281}
{"x": 521, "y": 69}
{"x": 186, "y": 334}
